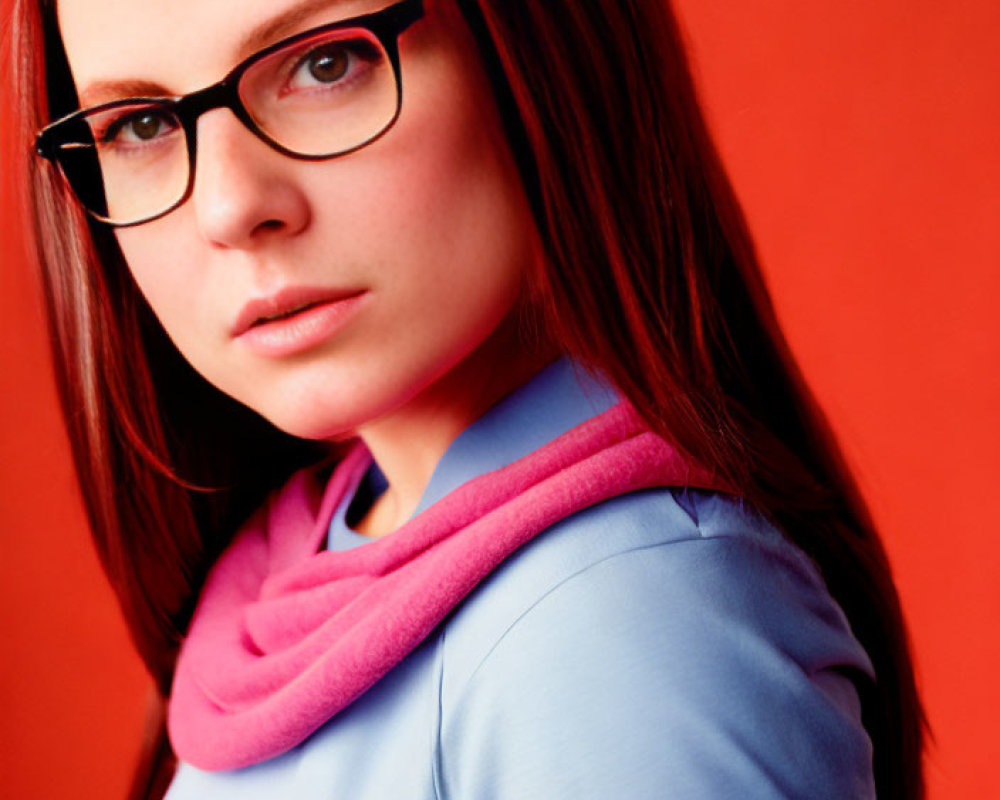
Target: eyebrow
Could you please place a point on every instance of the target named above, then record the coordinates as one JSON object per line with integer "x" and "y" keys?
{"x": 285, "y": 23}
{"x": 105, "y": 91}
{"x": 267, "y": 32}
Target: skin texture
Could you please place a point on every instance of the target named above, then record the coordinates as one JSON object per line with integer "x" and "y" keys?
{"x": 430, "y": 221}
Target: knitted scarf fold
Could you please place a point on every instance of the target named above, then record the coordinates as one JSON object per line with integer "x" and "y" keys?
{"x": 286, "y": 635}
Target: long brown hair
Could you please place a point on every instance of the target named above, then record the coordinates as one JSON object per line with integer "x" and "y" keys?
{"x": 650, "y": 277}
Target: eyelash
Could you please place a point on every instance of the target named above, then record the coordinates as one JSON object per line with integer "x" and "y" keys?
{"x": 357, "y": 50}
{"x": 109, "y": 133}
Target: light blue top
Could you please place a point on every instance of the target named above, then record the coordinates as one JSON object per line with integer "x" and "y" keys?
{"x": 663, "y": 644}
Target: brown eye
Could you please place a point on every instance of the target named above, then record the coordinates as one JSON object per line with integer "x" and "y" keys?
{"x": 139, "y": 127}
{"x": 328, "y": 64}
{"x": 146, "y": 127}
{"x": 333, "y": 64}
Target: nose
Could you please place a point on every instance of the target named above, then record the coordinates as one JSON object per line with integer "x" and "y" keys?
{"x": 244, "y": 193}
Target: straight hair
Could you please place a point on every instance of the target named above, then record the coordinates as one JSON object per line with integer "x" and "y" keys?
{"x": 650, "y": 278}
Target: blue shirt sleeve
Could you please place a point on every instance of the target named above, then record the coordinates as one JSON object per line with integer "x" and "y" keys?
{"x": 711, "y": 667}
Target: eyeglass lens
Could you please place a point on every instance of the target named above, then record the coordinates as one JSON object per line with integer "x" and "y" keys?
{"x": 318, "y": 97}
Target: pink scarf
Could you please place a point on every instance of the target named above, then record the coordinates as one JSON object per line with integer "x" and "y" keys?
{"x": 286, "y": 635}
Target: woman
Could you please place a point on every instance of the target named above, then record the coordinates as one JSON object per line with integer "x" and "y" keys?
{"x": 543, "y": 505}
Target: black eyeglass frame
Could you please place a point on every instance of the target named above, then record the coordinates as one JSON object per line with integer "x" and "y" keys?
{"x": 386, "y": 25}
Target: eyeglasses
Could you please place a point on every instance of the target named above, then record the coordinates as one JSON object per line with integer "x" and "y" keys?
{"x": 319, "y": 94}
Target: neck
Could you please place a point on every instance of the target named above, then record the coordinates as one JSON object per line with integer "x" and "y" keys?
{"x": 408, "y": 443}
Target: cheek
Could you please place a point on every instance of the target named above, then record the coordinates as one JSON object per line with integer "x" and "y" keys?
{"x": 467, "y": 248}
{"x": 170, "y": 270}
{"x": 449, "y": 204}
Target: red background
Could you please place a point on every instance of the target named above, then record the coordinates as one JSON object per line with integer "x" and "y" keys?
{"x": 863, "y": 139}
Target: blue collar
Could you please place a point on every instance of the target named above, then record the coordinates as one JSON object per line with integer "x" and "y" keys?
{"x": 556, "y": 399}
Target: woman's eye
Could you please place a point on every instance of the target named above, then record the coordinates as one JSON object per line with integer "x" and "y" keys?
{"x": 334, "y": 64}
{"x": 328, "y": 65}
{"x": 324, "y": 65}
{"x": 146, "y": 126}
{"x": 139, "y": 128}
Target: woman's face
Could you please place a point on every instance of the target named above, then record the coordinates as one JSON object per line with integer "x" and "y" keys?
{"x": 427, "y": 228}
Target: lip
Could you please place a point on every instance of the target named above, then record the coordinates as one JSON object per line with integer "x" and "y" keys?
{"x": 294, "y": 319}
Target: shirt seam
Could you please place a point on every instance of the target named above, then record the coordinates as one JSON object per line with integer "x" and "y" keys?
{"x": 788, "y": 553}
{"x": 436, "y": 754}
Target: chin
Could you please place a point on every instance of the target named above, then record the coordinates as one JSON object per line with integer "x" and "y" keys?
{"x": 322, "y": 415}
{"x": 316, "y": 423}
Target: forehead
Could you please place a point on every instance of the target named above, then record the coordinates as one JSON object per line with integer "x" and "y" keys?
{"x": 181, "y": 45}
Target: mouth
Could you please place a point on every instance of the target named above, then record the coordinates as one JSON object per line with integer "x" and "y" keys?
{"x": 285, "y": 305}
{"x": 282, "y": 315}
{"x": 295, "y": 319}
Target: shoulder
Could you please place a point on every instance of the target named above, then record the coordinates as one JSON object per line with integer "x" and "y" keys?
{"x": 663, "y": 632}
{"x": 686, "y": 552}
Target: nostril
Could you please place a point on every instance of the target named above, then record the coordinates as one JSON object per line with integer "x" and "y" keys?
{"x": 270, "y": 224}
